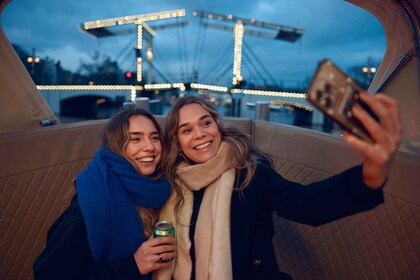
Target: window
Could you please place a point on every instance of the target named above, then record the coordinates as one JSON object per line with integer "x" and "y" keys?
{"x": 234, "y": 55}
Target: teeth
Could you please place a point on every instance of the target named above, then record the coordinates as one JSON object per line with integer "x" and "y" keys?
{"x": 203, "y": 146}
{"x": 146, "y": 159}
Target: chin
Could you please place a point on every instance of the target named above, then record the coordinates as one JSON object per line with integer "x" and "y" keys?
{"x": 146, "y": 171}
{"x": 204, "y": 159}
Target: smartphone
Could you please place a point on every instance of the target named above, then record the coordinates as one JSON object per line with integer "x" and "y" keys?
{"x": 334, "y": 93}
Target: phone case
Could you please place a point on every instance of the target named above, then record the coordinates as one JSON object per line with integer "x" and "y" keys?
{"x": 334, "y": 93}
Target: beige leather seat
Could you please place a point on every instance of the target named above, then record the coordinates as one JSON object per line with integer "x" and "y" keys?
{"x": 37, "y": 168}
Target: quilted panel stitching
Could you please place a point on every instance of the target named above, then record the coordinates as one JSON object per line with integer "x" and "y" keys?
{"x": 21, "y": 202}
{"x": 380, "y": 244}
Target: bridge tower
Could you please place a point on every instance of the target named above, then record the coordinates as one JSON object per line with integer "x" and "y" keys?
{"x": 108, "y": 27}
{"x": 243, "y": 26}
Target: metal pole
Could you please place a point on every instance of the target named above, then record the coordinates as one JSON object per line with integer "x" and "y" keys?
{"x": 262, "y": 111}
{"x": 143, "y": 102}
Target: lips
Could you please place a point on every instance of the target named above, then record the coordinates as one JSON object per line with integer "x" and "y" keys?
{"x": 202, "y": 146}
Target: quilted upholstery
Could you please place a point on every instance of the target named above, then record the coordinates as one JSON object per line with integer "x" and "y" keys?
{"x": 380, "y": 244}
{"x": 30, "y": 203}
{"x": 37, "y": 167}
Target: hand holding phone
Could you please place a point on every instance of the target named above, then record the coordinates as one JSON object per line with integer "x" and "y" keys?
{"x": 334, "y": 93}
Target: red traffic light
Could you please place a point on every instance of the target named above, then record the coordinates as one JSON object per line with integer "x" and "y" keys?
{"x": 128, "y": 75}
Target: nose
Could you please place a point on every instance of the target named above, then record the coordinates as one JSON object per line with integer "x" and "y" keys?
{"x": 200, "y": 132}
{"x": 148, "y": 145}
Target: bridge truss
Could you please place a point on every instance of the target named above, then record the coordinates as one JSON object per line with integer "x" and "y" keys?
{"x": 240, "y": 28}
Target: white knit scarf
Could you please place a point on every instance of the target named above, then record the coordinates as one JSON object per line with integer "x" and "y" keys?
{"x": 212, "y": 233}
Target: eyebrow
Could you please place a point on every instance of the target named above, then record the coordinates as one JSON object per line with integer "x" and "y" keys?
{"x": 142, "y": 133}
{"x": 201, "y": 118}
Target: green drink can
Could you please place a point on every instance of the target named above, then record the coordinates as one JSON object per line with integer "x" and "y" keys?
{"x": 162, "y": 229}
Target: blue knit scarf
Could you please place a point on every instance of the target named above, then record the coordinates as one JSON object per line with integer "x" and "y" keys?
{"x": 108, "y": 190}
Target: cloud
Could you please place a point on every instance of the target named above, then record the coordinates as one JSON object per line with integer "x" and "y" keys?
{"x": 68, "y": 56}
{"x": 333, "y": 29}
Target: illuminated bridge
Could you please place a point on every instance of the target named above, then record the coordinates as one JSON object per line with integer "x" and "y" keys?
{"x": 232, "y": 96}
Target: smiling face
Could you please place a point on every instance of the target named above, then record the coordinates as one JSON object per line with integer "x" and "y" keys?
{"x": 144, "y": 149}
{"x": 198, "y": 134}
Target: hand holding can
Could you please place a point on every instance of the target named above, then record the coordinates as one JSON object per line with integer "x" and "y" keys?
{"x": 163, "y": 229}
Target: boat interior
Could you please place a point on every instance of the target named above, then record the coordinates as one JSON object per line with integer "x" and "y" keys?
{"x": 39, "y": 163}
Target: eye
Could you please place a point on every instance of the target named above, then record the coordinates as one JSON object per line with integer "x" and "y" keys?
{"x": 155, "y": 139}
{"x": 134, "y": 139}
{"x": 207, "y": 123}
{"x": 185, "y": 131}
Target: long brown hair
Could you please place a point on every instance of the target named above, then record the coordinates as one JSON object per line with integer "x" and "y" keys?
{"x": 115, "y": 137}
{"x": 245, "y": 155}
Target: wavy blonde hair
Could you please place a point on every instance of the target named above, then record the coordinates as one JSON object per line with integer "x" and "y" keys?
{"x": 116, "y": 137}
{"x": 245, "y": 155}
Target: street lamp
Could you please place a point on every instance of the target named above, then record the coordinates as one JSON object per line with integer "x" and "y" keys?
{"x": 33, "y": 60}
{"x": 369, "y": 71}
